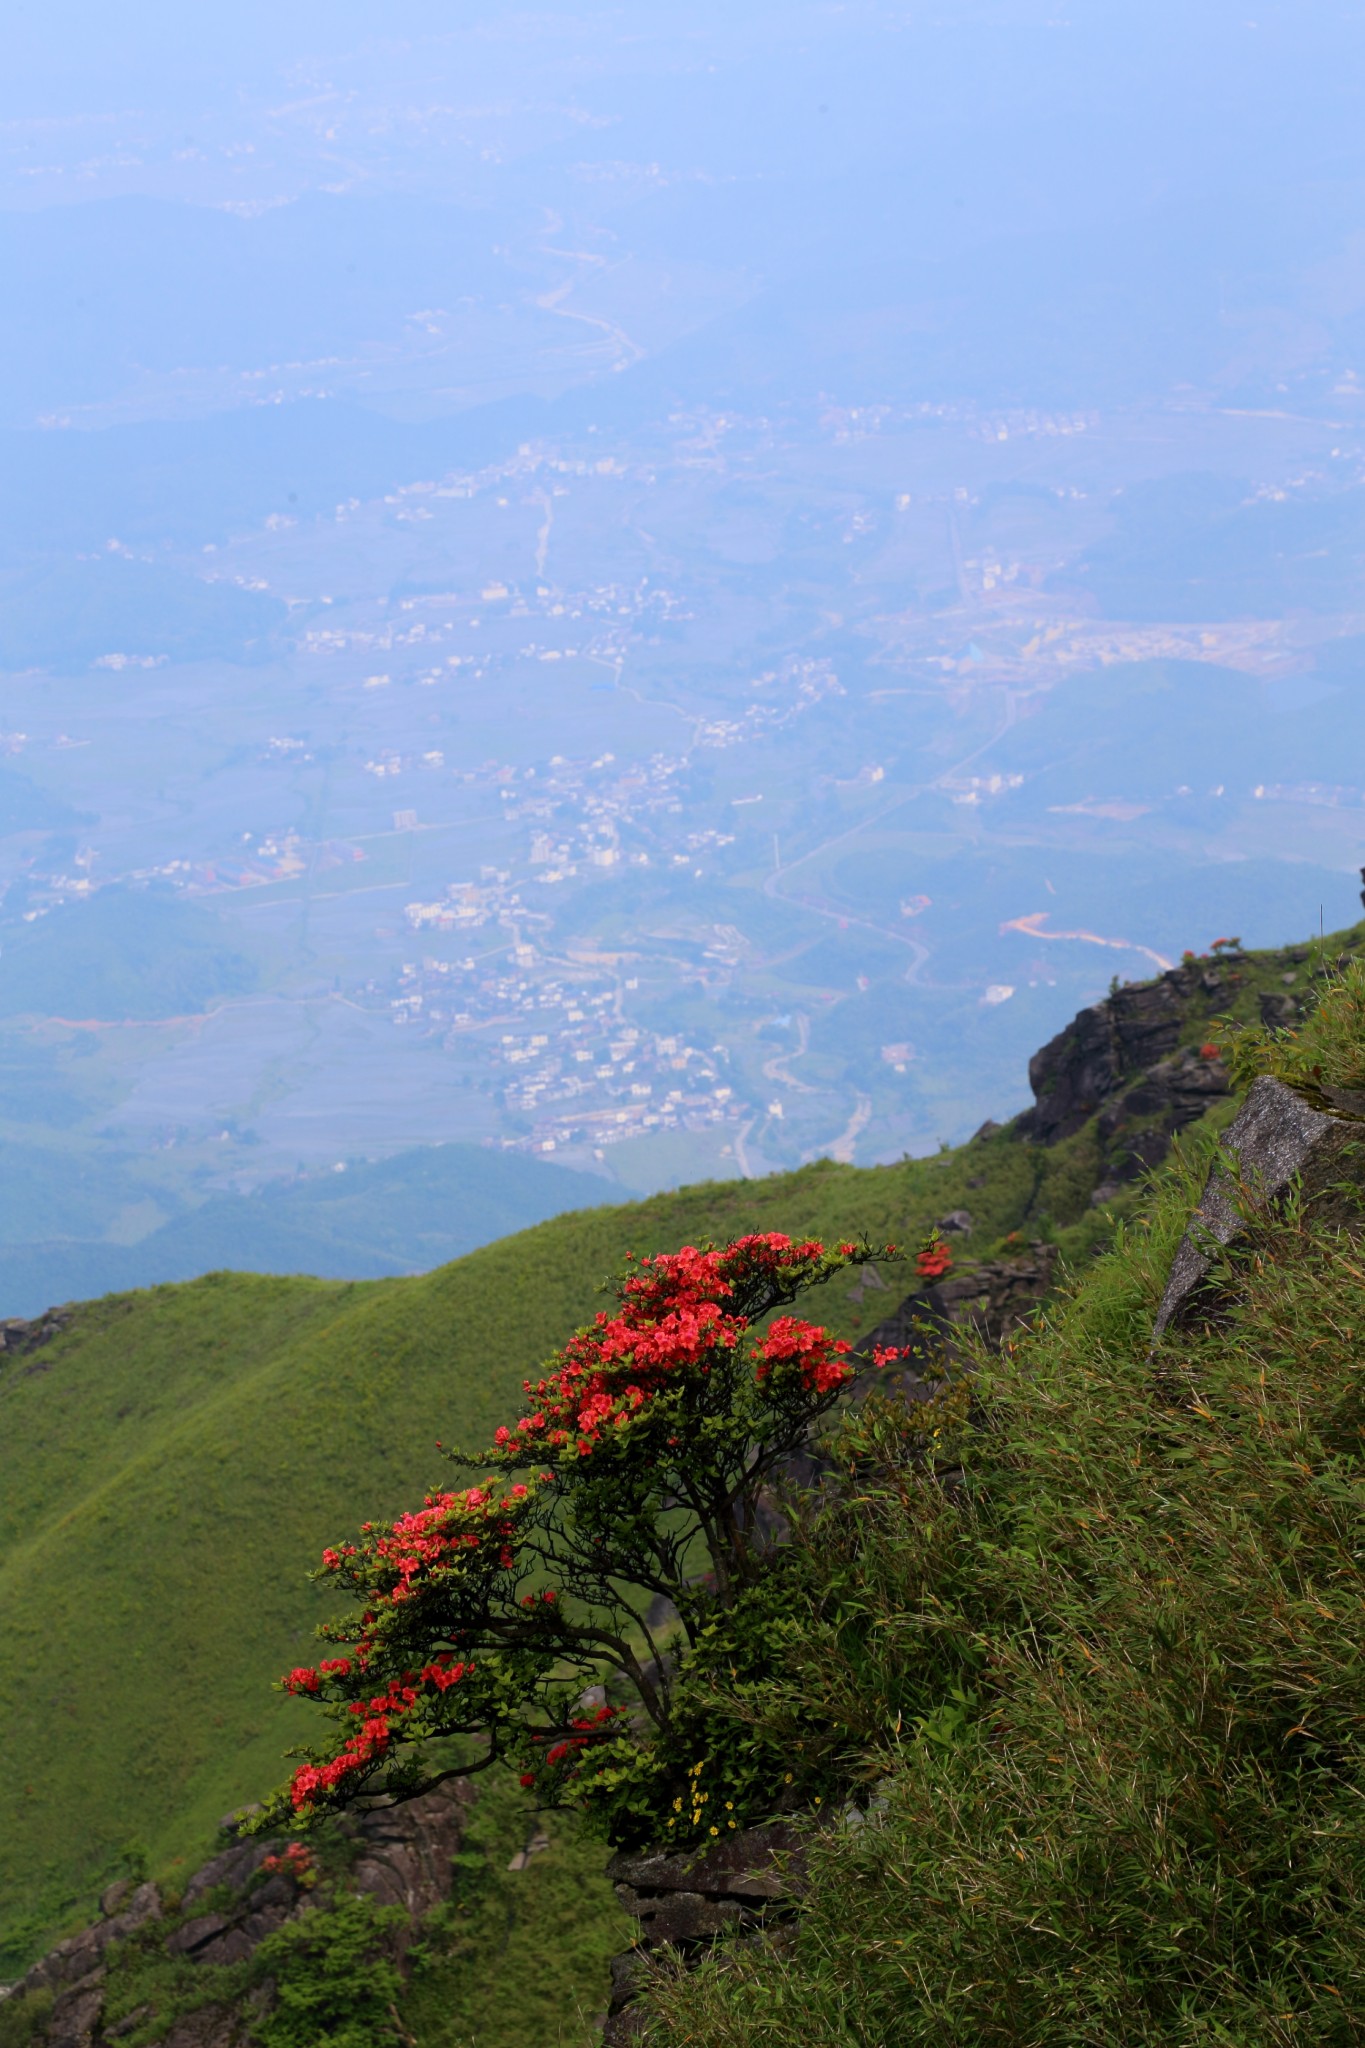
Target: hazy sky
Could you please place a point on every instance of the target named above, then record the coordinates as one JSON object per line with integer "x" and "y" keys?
{"x": 1192, "y": 159}
{"x": 1027, "y": 87}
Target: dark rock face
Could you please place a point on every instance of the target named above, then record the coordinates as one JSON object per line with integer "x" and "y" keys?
{"x": 1123, "y": 1059}
{"x": 683, "y": 1902}
{"x": 407, "y": 1849}
{"x": 998, "y": 1296}
{"x": 404, "y": 1860}
{"x": 18, "y": 1336}
{"x": 73, "y": 1960}
{"x": 991, "y": 1300}
{"x": 406, "y": 1853}
{"x": 1276, "y": 1137}
{"x": 1132, "y": 1063}
{"x": 1278, "y": 1012}
{"x": 213, "y": 2026}
{"x": 1083, "y": 1066}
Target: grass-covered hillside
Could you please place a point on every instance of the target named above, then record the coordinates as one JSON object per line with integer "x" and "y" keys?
{"x": 173, "y": 1463}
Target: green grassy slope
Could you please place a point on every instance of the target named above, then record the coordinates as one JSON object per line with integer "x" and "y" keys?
{"x": 173, "y": 1464}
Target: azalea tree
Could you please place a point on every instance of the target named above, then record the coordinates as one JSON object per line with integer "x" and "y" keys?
{"x": 553, "y": 1613}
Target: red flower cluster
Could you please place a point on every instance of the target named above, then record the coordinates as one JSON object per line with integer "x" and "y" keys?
{"x": 446, "y": 1528}
{"x": 589, "y": 1724}
{"x": 296, "y": 1862}
{"x": 423, "y": 1536}
{"x": 683, "y": 1324}
{"x": 671, "y": 1318}
{"x": 359, "y": 1753}
{"x": 303, "y": 1679}
{"x": 379, "y": 1714}
{"x": 445, "y": 1672}
{"x": 933, "y": 1261}
{"x": 1210, "y": 1051}
{"x": 818, "y": 1356}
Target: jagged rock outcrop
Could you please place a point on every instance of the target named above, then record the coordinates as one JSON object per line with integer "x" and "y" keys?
{"x": 742, "y": 1883}
{"x": 18, "y": 1335}
{"x": 1128, "y": 1061}
{"x": 991, "y": 1299}
{"x": 1277, "y": 1138}
{"x": 1140, "y": 1066}
{"x": 229, "y": 1906}
{"x": 74, "y": 1971}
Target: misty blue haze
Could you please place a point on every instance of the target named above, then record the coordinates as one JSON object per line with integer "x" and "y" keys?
{"x": 592, "y": 598}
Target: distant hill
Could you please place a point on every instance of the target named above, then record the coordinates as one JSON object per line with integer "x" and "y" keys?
{"x": 175, "y": 1459}
{"x": 1140, "y": 730}
{"x": 1202, "y": 547}
{"x": 404, "y": 1214}
{"x": 68, "y": 614}
{"x": 105, "y": 293}
{"x": 204, "y": 479}
{"x": 26, "y": 808}
{"x": 122, "y": 954}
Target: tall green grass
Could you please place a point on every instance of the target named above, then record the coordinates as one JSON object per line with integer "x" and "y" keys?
{"x": 1127, "y": 1808}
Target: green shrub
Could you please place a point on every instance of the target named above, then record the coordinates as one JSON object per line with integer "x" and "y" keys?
{"x": 518, "y": 1954}
{"x": 335, "y": 1985}
{"x": 24, "y": 2019}
{"x": 577, "y": 1616}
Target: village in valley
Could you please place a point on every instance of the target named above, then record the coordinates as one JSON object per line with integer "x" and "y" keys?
{"x": 638, "y": 788}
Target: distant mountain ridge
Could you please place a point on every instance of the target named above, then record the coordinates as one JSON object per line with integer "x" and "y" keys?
{"x": 375, "y": 1220}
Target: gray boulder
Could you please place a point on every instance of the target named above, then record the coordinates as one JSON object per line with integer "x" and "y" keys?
{"x": 1276, "y": 1138}
{"x": 228, "y": 1908}
{"x": 682, "y": 1902}
{"x": 72, "y": 1961}
{"x": 76, "y": 2014}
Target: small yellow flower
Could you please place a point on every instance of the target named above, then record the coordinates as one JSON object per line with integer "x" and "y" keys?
{"x": 729, "y": 1806}
{"x": 715, "y": 1831}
